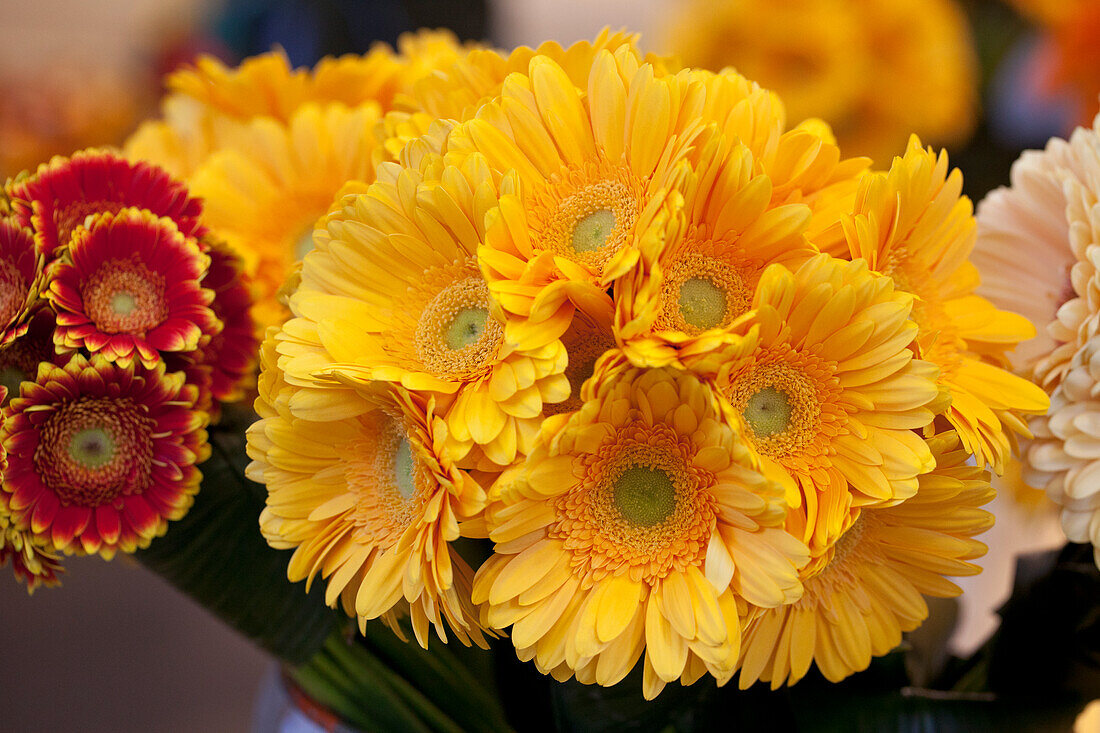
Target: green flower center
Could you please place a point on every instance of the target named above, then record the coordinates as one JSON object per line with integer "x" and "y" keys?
{"x": 466, "y": 328}
{"x": 404, "y": 469}
{"x": 94, "y": 450}
{"x": 92, "y": 447}
{"x": 123, "y": 303}
{"x": 644, "y": 496}
{"x": 457, "y": 336}
{"x": 592, "y": 232}
{"x": 768, "y": 412}
{"x": 702, "y": 303}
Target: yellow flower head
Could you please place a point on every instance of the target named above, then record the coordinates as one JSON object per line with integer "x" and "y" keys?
{"x": 913, "y": 225}
{"x": 868, "y": 591}
{"x": 182, "y": 139}
{"x": 803, "y": 163}
{"x": 832, "y": 392}
{"x": 265, "y": 190}
{"x": 593, "y": 166}
{"x": 368, "y": 502}
{"x": 840, "y": 60}
{"x": 393, "y": 292}
{"x": 209, "y": 104}
{"x": 755, "y": 196}
{"x": 689, "y": 287}
{"x": 262, "y": 86}
{"x": 267, "y": 86}
{"x": 637, "y": 524}
{"x": 455, "y": 91}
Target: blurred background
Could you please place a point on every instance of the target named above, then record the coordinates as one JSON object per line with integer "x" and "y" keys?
{"x": 118, "y": 649}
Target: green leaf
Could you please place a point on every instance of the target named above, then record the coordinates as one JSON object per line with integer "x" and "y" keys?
{"x": 405, "y": 688}
{"x": 459, "y": 678}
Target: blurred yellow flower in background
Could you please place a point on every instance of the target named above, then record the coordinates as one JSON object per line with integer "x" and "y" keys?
{"x": 876, "y": 70}
{"x": 269, "y": 147}
{"x": 266, "y": 188}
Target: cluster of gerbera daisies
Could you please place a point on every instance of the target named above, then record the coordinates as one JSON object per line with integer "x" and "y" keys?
{"x": 721, "y": 399}
{"x": 1037, "y": 249}
{"x": 122, "y": 326}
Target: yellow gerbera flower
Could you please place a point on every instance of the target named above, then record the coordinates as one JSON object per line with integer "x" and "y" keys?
{"x": 593, "y": 166}
{"x": 182, "y": 139}
{"x": 637, "y": 524}
{"x": 212, "y": 106}
{"x": 369, "y": 502}
{"x": 393, "y": 292}
{"x": 913, "y": 225}
{"x": 688, "y": 287}
{"x": 804, "y": 163}
{"x": 835, "y": 58}
{"x": 264, "y": 191}
{"x": 267, "y": 86}
{"x": 832, "y": 392}
{"x": 457, "y": 90}
{"x": 869, "y": 589}
{"x": 209, "y": 104}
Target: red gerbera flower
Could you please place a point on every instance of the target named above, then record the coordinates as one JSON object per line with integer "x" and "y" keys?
{"x": 232, "y": 353}
{"x": 131, "y": 287}
{"x": 101, "y": 456}
{"x": 21, "y": 275}
{"x": 63, "y": 192}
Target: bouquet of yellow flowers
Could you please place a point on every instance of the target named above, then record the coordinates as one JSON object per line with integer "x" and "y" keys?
{"x": 575, "y": 350}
